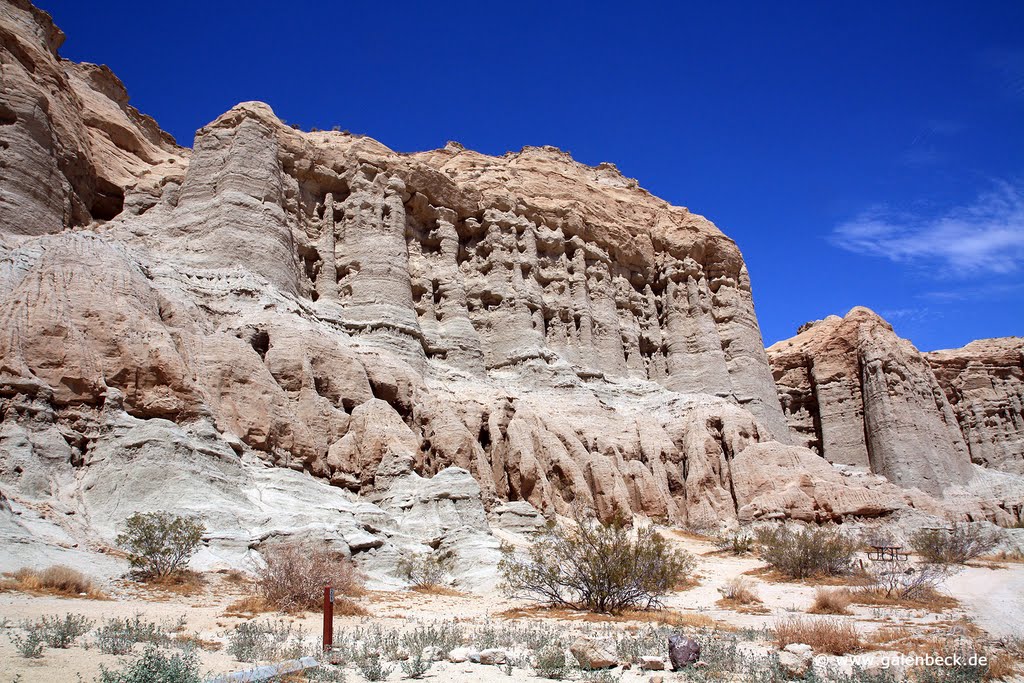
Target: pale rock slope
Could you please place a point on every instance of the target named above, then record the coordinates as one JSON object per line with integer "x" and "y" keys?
{"x": 866, "y": 399}
{"x": 290, "y": 332}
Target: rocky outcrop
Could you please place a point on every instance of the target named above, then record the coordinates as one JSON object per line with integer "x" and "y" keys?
{"x": 861, "y": 396}
{"x": 984, "y": 383}
{"x": 338, "y": 308}
{"x": 381, "y": 324}
{"x": 70, "y": 144}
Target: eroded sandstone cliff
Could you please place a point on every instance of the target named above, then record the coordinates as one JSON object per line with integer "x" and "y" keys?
{"x": 319, "y": 302}
{"x": 862, "y": 397}
{"x": 984, "y": 383}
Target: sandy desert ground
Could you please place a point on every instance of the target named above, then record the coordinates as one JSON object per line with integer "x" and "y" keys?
{"x": 989, "y": 611}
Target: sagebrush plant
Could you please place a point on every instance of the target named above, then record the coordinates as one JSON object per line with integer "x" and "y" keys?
{"x": 416, "y": 665}
{"x": 60, "y": 632}
{"x": 443, "y": 637}
{"x": 550, "y": 662}
{"x": 160, "y": 543}
{"x": 294, "y": 575}
{"x": 256, "y": 641}
{"x": 117, "y": 636}
{"x": 30, "y": 645}
{"x": 601, "y": 567}
{"x": 155, "y": 666}
{"x": 372, "y": 666}
{"x": 630, "y": 647}
{"x": 965, "y": 664}
{"x": 426, "y": 570}
{"x": 801, "y": 552}
{"x": 737, "y": 541}
{"x": 956, "y": 545}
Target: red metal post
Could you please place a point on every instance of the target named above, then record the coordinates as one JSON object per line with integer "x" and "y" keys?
{"x": 328, "y": 618}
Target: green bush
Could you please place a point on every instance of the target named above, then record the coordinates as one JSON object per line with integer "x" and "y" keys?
{"x": 598, "y": 567}
{"x": 737, "y": 542}
{"x": 29, "y": 646}
{"x": 426, "y": 570}
{"x": 159, "y": 543}
{"x": 957, "y": 545}
{"x": 255, "y": 641}
{"x": 156, "y": 666}
{"x": 550, "y": 663}
{"x": 800, "y": 552}
{"x": 117, "y": 636}
{"x": 372, "y": 666}
{"x": 60, "y": 632}
{"x": 416, "y": 665}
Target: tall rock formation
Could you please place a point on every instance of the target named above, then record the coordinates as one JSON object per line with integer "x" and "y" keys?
{"x": 321, "y": 303}
{"x": 861, "y": 396}
{"x": 984, "y": 382}
{"x": 71, "y": 142}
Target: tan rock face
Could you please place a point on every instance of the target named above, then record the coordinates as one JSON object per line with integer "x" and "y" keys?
{"x": 984, "y": 382}
{"x": 861, "y": 396}
{"x": 69, "y": 141}
{"x": 365, "y": 316}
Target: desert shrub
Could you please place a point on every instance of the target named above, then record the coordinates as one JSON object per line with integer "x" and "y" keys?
{"x": 156, "y": 666}
{"x": 30, "y": 645}
{"x": 719, "y": 650}
{"x": 56, "y": 579}
{"x": 737, "y": 542}
{"x": 594, "y": 566}
{"x": 160, "y": 543}
{"x": 630, "y": 647}
{"x": 254, "y": 641}
{"x": 294, "y": 576}
{"x": 899, "y": 580}
{"x": 739, "y": 590}
{"x": 603, "y": 676}
{"x": 550, "y": 662}
{"x": 372, "y": 666}
{"x": 831, "y": 601}
{"x": 801, "y": 552}
{"x": 961, "y": 543}
{"x": 320, "y": 674}
{"x": 967, "y": 663}
{"x": 426, "y": 570}
{"x": 831, "y": 636}
{"x": 60, "y": 632}
{"x": 443, "y": 637}
{"x": 117, "y": 636}
{"x": 416, "y": 665}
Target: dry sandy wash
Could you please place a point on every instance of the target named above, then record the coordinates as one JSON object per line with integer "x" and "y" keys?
{"x": 982, "y": 606}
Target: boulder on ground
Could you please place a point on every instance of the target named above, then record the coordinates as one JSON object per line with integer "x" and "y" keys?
{"x": 682, "y": 651}
{"x": 795, "y": 659}
{"x": 594, "y": 653}
{"x": 652, "y": 663}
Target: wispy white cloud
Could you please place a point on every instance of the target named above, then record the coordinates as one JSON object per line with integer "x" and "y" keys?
{"x": 987, "y": 235}
{"x": 989, "y": 291}
{"x": 908, "y": 314}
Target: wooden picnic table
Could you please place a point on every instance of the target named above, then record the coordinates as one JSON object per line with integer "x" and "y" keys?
{"x": 887, "y": 553}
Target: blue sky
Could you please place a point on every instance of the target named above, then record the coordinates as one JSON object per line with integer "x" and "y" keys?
{"x": 866, "y": 153}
